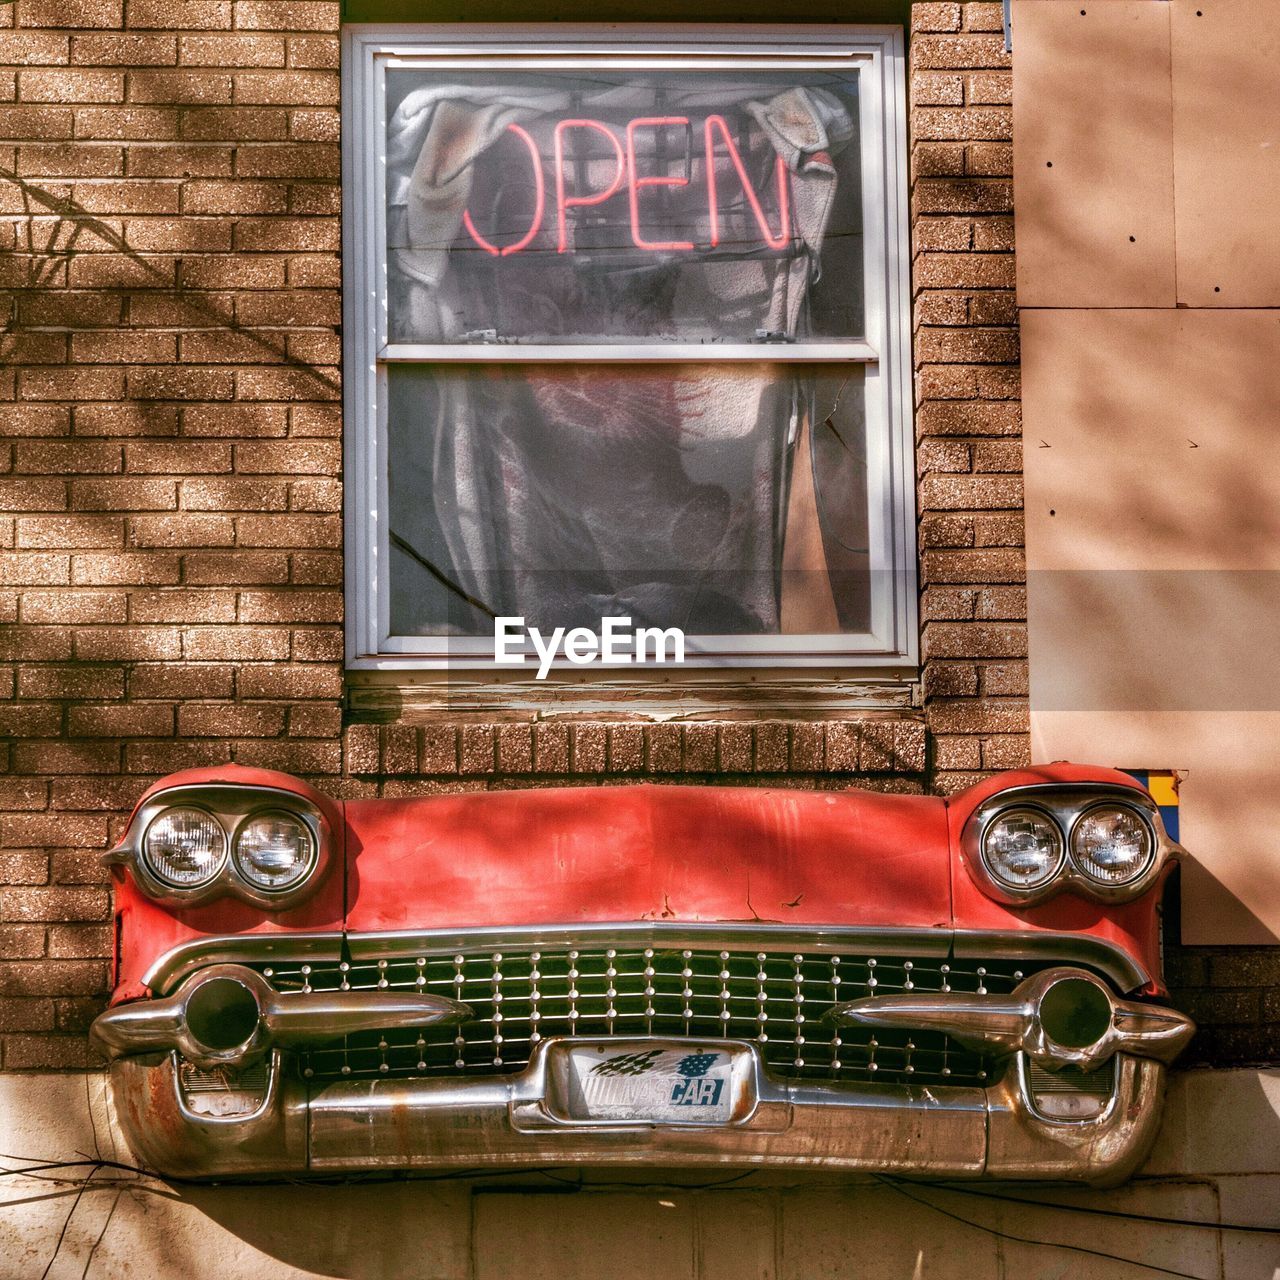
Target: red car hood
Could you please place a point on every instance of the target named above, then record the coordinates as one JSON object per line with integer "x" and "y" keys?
{"x": 639, "y": 853}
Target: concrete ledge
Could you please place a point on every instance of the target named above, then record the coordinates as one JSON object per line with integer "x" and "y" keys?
{"x": 1218, "y": 1160}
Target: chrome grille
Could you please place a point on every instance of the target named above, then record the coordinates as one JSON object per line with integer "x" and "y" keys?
{"x": 777, "y": 998}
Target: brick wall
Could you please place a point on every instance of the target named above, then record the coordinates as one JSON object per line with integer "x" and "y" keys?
{"x": 170, "y": 529}
{"x": 170, "y": 569}
{"x": 968, "y": 417}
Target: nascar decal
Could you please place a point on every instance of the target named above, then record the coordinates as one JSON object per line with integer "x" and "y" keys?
{"x": 653, "y": 1084}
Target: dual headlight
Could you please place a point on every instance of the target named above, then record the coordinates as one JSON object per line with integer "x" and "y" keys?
{"x": 188, "y": 848}
{"x": 1107, "y": 847}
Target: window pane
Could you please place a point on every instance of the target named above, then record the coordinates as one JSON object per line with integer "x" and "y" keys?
{"x": 723, "y": 499}
{"x": 563, "y": 207}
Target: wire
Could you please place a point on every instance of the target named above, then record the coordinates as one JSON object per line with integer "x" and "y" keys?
{"x": 66, "y": 1222}
{"x": 1044, "y": 1244}
{"x": 1105, "y": 1213}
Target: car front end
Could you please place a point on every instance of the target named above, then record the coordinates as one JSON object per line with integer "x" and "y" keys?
{"x": 681, "y": 977}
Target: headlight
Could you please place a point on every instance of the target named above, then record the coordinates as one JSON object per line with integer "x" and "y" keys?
{"x": 274, "y": 850}
{"x": 1112, "y": 845}
{"x": 185, "y": 848}
{"x": 1022, "y": 849}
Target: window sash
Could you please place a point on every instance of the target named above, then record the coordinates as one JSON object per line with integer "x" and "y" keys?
{"x": 370, "y": 51}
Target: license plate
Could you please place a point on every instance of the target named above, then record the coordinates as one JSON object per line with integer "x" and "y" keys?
{"x": 644, "y": 1081}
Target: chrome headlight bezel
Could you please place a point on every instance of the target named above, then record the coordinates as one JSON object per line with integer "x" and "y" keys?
{"x": 993, "y": 872}
{"x": 148, "y": 858}
{"x": 232, "y": 806}
{"x": 1077, "y": 863}
{"x": 1066, "y": 804}
{"x": 313, "y": 850}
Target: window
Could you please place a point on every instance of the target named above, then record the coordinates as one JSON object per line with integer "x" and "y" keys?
{"x": 627, "y": 335}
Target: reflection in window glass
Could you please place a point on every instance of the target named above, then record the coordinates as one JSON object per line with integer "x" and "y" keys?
{"x": 562, "y": 207}
{"x": 724, "y": 499}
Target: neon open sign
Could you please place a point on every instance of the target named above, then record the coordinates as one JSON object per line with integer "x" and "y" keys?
{"x": 626, "y": 172}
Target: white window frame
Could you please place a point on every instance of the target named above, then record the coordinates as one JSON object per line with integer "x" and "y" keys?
{"x": 369, "y": 50}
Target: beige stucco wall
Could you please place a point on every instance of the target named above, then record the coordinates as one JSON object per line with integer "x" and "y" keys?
{"x": 1218, "y": 1160}
{"x": 1146, "y": 159}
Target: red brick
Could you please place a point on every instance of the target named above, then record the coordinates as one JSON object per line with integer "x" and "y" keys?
{"x": 588, "y": 748}
{"x": 69, "y": 531}
{"x": 70, "y": 384}
{"x": 289, "y": 457}
{"x": 70, "y": 13}
{"x": 291, "y": 756}
{"x": 286, "y": 234}
{"x": 38, "y": 569}
{"x": 289, "y": 531}
{"x": 22, "y": 941}
{"x": 33, "y": 420}
{"x": 243, "y": 568}
{"x": 24, "y": 866}
{"x": 80, "y": 941}
{"x": 291, "y": 606}
{"x": 235, "y": 644}
{"x": 23, "y": 1052}
{"x": 231, "y": 51}
{"x": 33, "y": 495}
{"x": 231, "y": 720}
{"x": 127, "y": 569}
{"x": 129, "y": 720}
{"x": 131, "y": 419}
{"x": 65, "y": 85}
{"x": 234, "y": 495}
{"x": 66, "y": 757}
{"x": 70, "y": 682}
{"x": 935, "y": 17}
{"x": 69, "y": 607}
{"x": 33, "y": 48}
{"x": 181, "y": 680}
{"x": 317, "y": 52}
{"x": 173, "y": 160}
{"x": 35, "y": 644}
{"x": 181, "y": 87}
{"x": 948, "y": 52}
{"x": 120, "y": 494}
{"x": 235, "y": 124}
{"x": 126, "y": 644}
{"x": 313, "y": 720}
{"x": 287, "y": 15}
{"x": 183, "y": 606}
{"x": 181, "y": 15}
{"x": 235, "y": 420}
{"x": 108, "y": 123}
{"x": 182, "y": 530}
{"x": 119, "y": 50}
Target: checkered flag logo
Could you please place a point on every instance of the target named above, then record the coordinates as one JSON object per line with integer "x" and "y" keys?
{"x": 696, "y": 1064}
{"x": 627, "y": 1064}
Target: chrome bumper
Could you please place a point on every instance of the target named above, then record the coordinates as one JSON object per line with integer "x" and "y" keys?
{"x": 505, "y": 1122}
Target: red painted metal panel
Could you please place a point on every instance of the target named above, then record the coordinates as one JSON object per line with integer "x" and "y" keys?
{"x": 626, "y": 854}
{"x": 647, "y": 853}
